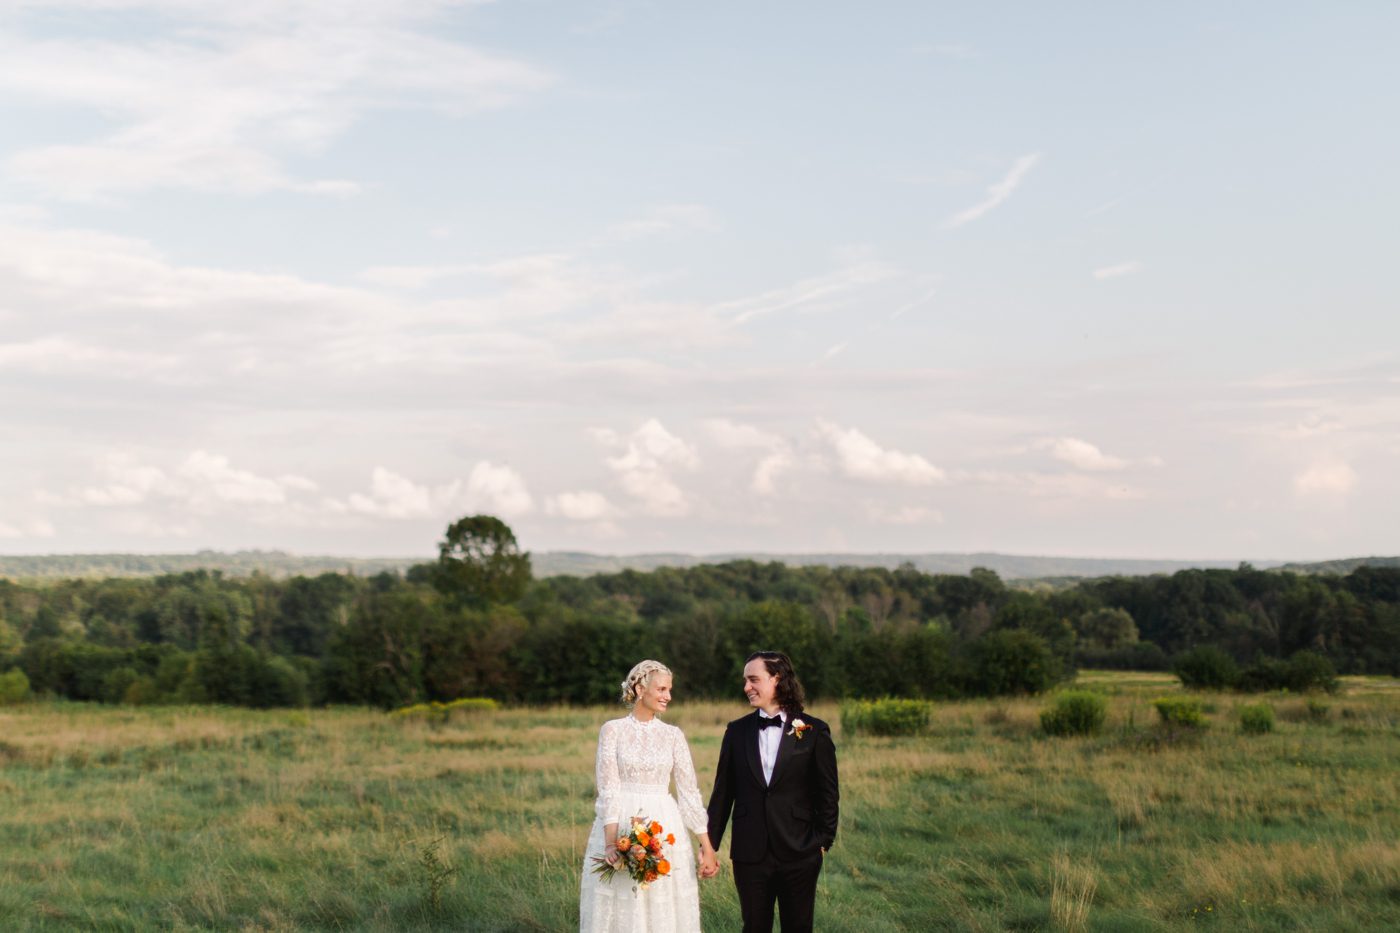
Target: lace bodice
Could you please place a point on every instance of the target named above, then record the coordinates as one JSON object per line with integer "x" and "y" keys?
{"x": 649, "y": 754}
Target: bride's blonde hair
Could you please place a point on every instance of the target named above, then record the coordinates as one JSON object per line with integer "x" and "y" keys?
{"x": 639, "y": 678}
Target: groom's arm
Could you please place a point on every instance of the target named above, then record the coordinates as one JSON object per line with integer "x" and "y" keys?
{"x": 826, "y": 787}
{"x": 722, "y": 796}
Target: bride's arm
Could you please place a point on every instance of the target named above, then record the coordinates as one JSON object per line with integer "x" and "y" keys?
{"x": 607, "y": 779}
{"x": 688, "y": 795}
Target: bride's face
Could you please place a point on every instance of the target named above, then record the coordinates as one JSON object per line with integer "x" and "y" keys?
{"x": 657, "y": 696}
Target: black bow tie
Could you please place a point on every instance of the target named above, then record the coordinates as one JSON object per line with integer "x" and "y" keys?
{"x": 766, "y": 721}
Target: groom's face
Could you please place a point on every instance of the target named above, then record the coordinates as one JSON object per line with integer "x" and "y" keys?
{"x": 759, "y": 685}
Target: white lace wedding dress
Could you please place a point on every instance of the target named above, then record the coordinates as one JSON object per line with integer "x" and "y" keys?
{"x": 636, "y": 763}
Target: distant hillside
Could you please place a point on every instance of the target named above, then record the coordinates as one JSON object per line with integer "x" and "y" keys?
{"x": 1008, "y": 566}
{"x": 575, "y": 563}
{"x": 235, "y": 564}
{"x": 1341, "y": 567}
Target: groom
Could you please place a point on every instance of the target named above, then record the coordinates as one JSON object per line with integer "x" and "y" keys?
{"x": 777, "y": 772}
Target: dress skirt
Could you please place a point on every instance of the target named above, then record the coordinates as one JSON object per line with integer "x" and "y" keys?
{"x": 671, "y": 904}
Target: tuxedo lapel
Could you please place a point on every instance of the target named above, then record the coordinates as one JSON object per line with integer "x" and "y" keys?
{"x": 785, "y": 747}
{"x": 751, "y": 748}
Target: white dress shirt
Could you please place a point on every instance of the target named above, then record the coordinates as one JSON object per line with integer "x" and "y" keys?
{"x": 768, "y": 740}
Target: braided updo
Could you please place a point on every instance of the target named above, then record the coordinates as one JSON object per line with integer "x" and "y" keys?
{"x": 639, "y": 678}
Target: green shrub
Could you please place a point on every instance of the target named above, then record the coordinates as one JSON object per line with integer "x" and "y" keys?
{"x": 1180, "y": 711}
{"x": 1304, "y": 672}
{"x": 117, "y": 682}
{"x": 141, "y": 692}
{"x": 442, "y": 712}
{"x": 1318, "y": 710}
{"x": 1307, "y": 671}
{"x": 1074, "y": 712}
{"x": 1256, "y": 718}
{"x": 885, "y": 717}
{"x": 1263, "y": 675}
{"x": 1206, "y": 667}
{"x": 14, "y": 687}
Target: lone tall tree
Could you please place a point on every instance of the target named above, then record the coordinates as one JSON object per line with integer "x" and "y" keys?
{"x": 479, "y": 562}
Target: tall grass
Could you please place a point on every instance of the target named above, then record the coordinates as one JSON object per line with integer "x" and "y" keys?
{"x": 204, "y": 819}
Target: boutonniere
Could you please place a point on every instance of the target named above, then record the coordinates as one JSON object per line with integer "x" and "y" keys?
{"x": 799, "y": 729}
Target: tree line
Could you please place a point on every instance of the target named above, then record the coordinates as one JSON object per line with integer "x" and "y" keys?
{"x": 475, "y": 623}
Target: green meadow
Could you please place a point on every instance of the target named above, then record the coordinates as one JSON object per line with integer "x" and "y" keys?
{"x": 120, "y": 818}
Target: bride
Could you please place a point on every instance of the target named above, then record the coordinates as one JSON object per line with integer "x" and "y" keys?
{"x": 638, "y": 757}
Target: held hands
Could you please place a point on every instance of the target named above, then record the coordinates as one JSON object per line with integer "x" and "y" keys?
{"x": 709, "y": 864}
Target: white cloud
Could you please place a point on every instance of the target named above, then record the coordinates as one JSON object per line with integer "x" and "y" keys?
{"x": 1329, "y": 477}
{"x": 394, "y": 496}
{"x": 219, "y": 98}
{"x": 1082, "y": 454}
{"x": 998, "y": 193}
{"x": 202, "y": 482}
{"x": 765, "y": 475}
{"x": 582, "y": 506}
{"x": 777, "y": 460}
{"x": 212, "y": 475}
{"x": 644, "y": 467}
{"x": 498, "y": 490}
{"x": 1123, "y": 268}
{"x": 861, "y": 458}
{"x": 129, "y": 482}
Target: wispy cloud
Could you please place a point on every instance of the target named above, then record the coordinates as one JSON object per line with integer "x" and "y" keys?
{"x": 228, "y": 91}
{"x": 805, "y": 292}
{"x": 660, "y": 220}
{"x": 1121, "y": 269}
{"x": 998, "y": 193}
{"x": 904, "y": 309}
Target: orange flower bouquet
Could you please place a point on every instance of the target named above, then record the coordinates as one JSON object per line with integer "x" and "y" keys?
{"x": 638, "y": 854}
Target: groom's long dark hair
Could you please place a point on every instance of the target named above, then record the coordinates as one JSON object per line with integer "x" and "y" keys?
{"x": 789, "y": 691}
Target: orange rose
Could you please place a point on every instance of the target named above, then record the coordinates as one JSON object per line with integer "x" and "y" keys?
{"x": 655, "y": 845}
{"x": 663, "y": 867}
{"x": 642, "y": 837}
{"x": 670, "y": 839}
{"x": 655, "y": 828}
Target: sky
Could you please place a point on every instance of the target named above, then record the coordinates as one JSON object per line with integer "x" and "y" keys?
{"x": 1084, "y": 279}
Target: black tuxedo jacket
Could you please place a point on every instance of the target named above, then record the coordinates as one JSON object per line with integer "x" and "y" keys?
{"x": 796, "y": 813}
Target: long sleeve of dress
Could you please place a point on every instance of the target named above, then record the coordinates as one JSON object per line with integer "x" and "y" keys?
{"x": 687, "y": 790}
{"x": 606, "y": 776}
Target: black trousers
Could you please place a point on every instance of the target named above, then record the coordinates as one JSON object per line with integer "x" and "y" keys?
{"x": 791, "y": 885}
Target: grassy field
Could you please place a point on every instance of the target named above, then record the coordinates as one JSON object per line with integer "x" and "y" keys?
{"x": 199, "y": 819}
